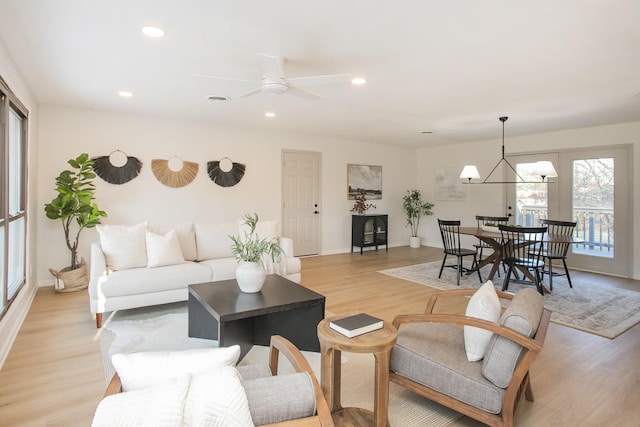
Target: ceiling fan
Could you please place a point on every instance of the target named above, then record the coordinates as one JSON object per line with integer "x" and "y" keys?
{"x": 274, "y": 80}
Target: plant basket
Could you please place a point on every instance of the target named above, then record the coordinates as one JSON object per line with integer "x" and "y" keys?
{"x": 68, "y": 280}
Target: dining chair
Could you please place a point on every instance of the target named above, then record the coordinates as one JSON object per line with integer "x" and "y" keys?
{"x": 557, "y": 250}
{"x": 484, "y": 221}
{"x": 450, "y": 232}
{"x": 523, "y": 253}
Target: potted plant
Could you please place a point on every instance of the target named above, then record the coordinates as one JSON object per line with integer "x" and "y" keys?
{"x": 75, "y": 208}
{"x": 249, "y": 250}
{"x": 415, "y": 208}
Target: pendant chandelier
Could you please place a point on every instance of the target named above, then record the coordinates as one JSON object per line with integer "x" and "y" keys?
{"x": 544, "y": 169}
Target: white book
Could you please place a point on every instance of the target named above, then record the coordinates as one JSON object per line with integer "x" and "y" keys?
{"x": 355, "y": 325}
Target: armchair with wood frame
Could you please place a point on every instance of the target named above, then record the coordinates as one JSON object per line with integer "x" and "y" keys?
{"x": 429, "y": 357}
{"x": 267, "y": 392}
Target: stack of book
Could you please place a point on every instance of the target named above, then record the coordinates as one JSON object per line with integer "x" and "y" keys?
{"x": 355, "y": 325}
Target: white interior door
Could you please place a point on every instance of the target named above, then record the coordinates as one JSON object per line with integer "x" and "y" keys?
{"x": 301, "y": 200}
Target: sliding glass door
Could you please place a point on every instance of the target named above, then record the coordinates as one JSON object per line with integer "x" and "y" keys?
{"x": 592, "y": 188}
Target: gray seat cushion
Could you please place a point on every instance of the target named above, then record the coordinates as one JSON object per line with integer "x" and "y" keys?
{"x": 432, "y": 354}
{"x": 523, "y": 315}
{"x": 273, "y": 399}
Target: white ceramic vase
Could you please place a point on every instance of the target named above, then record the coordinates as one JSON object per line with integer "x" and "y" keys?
{"x": 414, "y": 241}
{"x": 250, "y": 276}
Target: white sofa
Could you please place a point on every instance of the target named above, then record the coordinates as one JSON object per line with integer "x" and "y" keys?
{"x": 143, "y": 265}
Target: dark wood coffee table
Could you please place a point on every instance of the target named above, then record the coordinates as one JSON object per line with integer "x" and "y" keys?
{"x": 220, "y": 311}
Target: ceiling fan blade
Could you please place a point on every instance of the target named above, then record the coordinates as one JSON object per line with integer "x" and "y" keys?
{"x": 272, "y": 67}
{"x": 253, "y": 92}
{"x": 203, "y": 76}
{"x": 327, "y": 78}
{"x": 303, "y": 93}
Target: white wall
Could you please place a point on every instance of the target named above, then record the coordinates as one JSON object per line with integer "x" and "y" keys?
{"x": 67, "y": 132}
{"x": 490, "y": 199}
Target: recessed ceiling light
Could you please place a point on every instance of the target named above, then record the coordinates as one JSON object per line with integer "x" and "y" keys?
{"x": 358, "y": 80}
{"x": 269, "y": 114}
{"x": 125, "y": 94}
{"x": 152, "y": 31}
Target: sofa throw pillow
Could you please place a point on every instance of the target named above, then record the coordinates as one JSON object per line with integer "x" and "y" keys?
{"x": 484, "y": 304}
{"x": 212, "y": 240}
{"x": 163, "y": 250}
{"x": 123, "y": 246}
{"x": 151, "y": 368}
{"x": 186, "y": 237}
{"x": 269, "y": 229}
{"x": 161, "y": 406}
{"x": 217, "y": 398}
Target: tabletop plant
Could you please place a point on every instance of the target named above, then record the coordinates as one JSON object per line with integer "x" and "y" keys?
{"x": 74, "y": 205}
{"x": 250, "y": 246}
{"x": 414, "y": 208}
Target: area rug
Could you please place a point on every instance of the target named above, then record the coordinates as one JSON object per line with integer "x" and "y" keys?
{"x": 589, "y": 307}
{"x": 165, "y": 328}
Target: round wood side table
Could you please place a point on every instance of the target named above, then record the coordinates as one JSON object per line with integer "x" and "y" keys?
{"x": 332, "y": 344}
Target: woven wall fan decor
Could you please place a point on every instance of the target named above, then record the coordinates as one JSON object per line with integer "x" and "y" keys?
{"x": 174, "y": 178}
{"x": 120, "y": 173}
{"x": 224, "y": 172}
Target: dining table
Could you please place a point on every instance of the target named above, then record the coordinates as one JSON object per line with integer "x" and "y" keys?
{"x": 494, "y": 239}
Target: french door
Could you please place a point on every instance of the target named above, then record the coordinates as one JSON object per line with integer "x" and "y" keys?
{"x": 592, "y": 189}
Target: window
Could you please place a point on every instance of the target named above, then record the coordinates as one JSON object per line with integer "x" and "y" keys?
{"x": 13, "y": 179}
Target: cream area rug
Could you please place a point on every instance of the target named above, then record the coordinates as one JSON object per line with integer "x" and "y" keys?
{"x": 165, "y": 328}
{"x": 589, "y": 307}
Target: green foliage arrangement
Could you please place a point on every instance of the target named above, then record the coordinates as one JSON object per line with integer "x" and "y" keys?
{"x": 74, "y": 204}
{"x": 415, "y": 208}
{"x": 251, "y": 246}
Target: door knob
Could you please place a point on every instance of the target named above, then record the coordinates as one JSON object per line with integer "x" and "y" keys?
{"x": 316, "y": 212}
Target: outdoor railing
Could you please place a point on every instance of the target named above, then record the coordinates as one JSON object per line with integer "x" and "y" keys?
{"x": 594, "y": 226}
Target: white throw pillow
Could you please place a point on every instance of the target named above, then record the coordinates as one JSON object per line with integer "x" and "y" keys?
{"x": 484, "y": 304}
{"x": 161, "y": 406}
{"x": 217, "y": 398}
{"x": 148, "y": 369}
{"x": 186, "y": 237}
{"x": 213, "y": 240}
{"x": 269, "y": 229}
{"x": 163, "y": 250}
{"x": 123, "y": 246}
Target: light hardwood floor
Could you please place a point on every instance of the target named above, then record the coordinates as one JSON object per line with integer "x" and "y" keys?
{"x": 53, "y": 375}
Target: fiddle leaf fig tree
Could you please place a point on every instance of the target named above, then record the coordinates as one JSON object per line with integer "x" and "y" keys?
{"x": 415, "y": 208}
{"x": 74, "y": 205}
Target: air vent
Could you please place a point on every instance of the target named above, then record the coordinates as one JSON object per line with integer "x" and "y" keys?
{"x": 218, "y": 98}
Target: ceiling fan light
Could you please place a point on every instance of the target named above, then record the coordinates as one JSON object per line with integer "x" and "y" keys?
{"x": 274, "y": 88}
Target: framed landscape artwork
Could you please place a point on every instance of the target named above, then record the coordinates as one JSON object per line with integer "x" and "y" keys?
{"x": 364, "y": 179}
